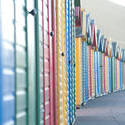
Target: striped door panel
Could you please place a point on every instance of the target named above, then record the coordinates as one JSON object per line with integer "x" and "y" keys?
{"x": 68, "y": 9}
{"x": 96, "y": 74}
{"x": 64, "y": 66}
{"x": 123, "y": 75}
{"x": 78, "y": 73}
{"x": 100, "y": 73}
{"x": 59, "y": 64}
{"x": 118, "y": 75}
{"x": 21, "y": 65}
{"x": 89, "y": 71}
{"x": 93, "y": 73}
{"x": 73, "y": 63}
{"x": 109, "y": 73}
{"x": 106, "y": 74}
{"x": 116, "y": 81}
{"x": 46, "y": 62}
{"x": 113, "y": 73}
{"x": 84, "y": 72}
{"x": 7, "y": 63}
{"x": 103, "y": 72}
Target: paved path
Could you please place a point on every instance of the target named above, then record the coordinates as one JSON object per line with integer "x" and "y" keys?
{"x": 106, "y": 110}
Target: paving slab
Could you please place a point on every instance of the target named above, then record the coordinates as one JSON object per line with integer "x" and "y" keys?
{"x": 105, "y": 110}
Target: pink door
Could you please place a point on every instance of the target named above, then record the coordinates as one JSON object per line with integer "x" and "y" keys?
{"x": 53, "y": 82}
{"x": 49, "y": 80}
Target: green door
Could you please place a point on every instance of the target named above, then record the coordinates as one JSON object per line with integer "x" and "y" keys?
{"x": 39, "y": 62}
{"x": 25, "y": 63}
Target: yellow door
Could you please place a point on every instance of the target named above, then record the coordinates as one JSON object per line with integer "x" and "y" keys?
{"x": 62, "y": 99}
{"x": 78, "y": 45}
{"x": 64, "y": 69}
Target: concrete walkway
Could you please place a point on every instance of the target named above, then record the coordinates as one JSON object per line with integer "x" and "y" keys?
{"x": 106, "y": 110}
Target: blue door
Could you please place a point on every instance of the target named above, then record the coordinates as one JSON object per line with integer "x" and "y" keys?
{"x": 69, "y": 58}
{"x": 7, "y": 63}
{"x": 84, "y": 72}
{"x": 96, "y": 75}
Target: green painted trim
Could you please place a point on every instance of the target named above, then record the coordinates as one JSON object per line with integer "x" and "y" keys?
{"x": 37, "y": 64}
{"x": 31, "y": 66}
{"x": 26, "y": 51}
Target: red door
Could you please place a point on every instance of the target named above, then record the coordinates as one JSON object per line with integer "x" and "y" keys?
{"x": 103, "y": 70}
{"x": 49, "y": 80}
{"x": 53, "y": 65}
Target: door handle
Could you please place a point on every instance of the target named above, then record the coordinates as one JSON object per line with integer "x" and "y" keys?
{"x": 63, "y": 54}
{"x": 33, "y": 12}
{"x": 52, "y": 34}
